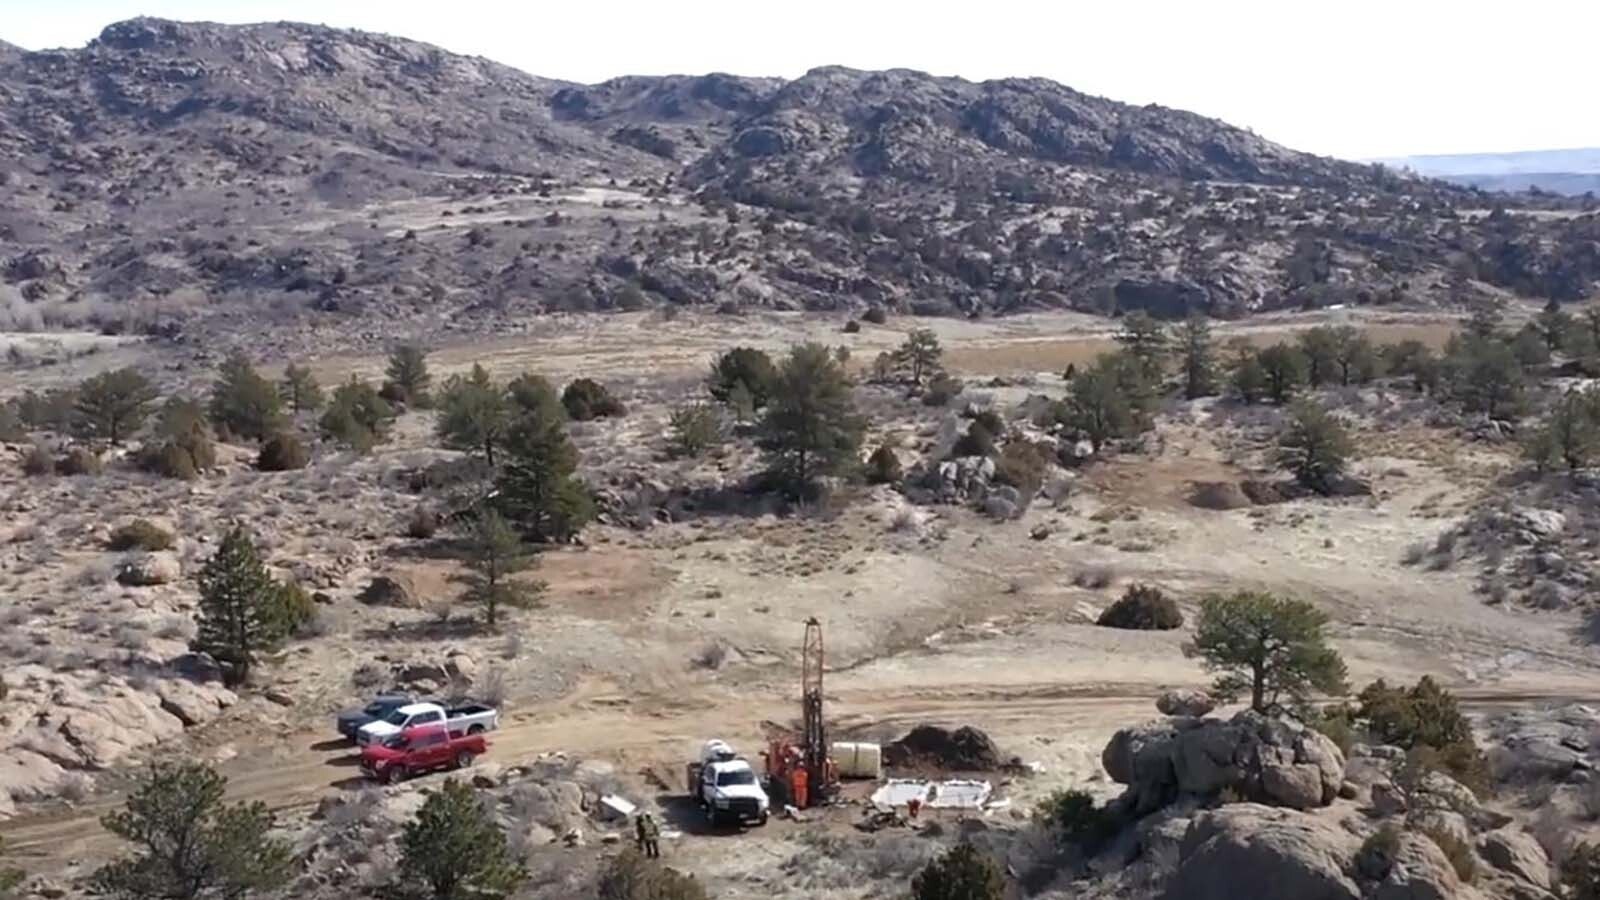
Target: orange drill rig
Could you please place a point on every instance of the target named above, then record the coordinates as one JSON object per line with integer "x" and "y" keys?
{"x": 800, "y": 772}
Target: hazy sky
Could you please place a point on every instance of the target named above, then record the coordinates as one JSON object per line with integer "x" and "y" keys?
{"x": 1354, "y": 78}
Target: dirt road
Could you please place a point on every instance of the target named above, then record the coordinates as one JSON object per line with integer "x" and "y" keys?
{"x": 302, "y": 767}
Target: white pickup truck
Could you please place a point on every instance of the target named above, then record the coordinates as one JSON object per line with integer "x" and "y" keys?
{"x": 458, "y": 720}
{"x": 726, "y": 787}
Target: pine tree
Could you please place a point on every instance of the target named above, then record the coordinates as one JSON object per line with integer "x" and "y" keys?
{"x": 495, "y": 553}
{"x": 243, "y": 403}
{"x": 536, "y": 488}
{"x": 189, "y": 844}
{"x": 1314, "y": 446}
{"x": 810, "y": 427}
{"x": 741, "y": 402}
{"x": 408, "y": 376}
{"x": 1284, "y": 370}
{"x": 1553, "y": 324}
{"x": 238, "y": 615}
{"x": 1319, "y": 349}
{"x": 1148, "y": 342}
{"x": 747, "y": 366}
{"x": 475, "y": 414}
{"x": 1570, "y": 436}
{"x": 300, "y": 389}
{"x": 455, "y": 849}
{"x": 1272, "y": 648}
{"x": 113, "y": 404}
{"x": 918, "y": 359}
{"x": 1199, "y": 365}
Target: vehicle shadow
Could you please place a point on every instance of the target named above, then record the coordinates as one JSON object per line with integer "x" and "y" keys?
{"x": 680, "y": 812}
{"x": 330, "y": 745}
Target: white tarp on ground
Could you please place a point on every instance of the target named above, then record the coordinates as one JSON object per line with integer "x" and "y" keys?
{"x": 897, "y": 792}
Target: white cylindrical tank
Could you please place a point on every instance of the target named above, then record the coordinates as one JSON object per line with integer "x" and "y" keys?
{"x": 716, "y": 751}
{"x": 857, "y": 759}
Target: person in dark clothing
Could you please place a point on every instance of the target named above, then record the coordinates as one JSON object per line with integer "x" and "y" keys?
{"x": 649, "y": 835}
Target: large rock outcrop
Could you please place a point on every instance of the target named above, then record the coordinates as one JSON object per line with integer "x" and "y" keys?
{"x": 1248, "y": 850}
{"x": 1269, "y": 760}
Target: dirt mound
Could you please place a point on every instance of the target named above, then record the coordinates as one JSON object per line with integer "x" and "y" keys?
{"x": 929, "y": 746}
{"x": 1218, "y": 495}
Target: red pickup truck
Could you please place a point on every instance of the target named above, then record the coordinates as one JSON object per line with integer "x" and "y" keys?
{"x": 418, "y": 750}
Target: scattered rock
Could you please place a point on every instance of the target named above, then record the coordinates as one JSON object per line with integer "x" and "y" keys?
{"x": 1517, "y": 853}
{"x": 391, "y": 590}
{"x": 150, "y": 569}
{"x": 1419, "y": 870}
{"x": 198, "y": 667}
{"x": 193, "y": 704}
{"x": 279, "y": 697}
{"x": 1184, "y": 702}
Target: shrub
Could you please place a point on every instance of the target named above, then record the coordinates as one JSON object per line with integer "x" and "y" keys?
{"x": 456, "y": 848}
{"x": 978, "y": 441}
{"x": 422, "y": 524}
{"x": 852, "y": 327}
{"x": 1075, "y": 819}
{"x": 1022, "y": 465}
{"x": 283, "y": 452}
{"x": 295, "y": 610}
{"x": 745, "y": 366}
{"x": 37, "y": 461}
{"x": 883, "y": 466}
{"x": 1336, "y": 723}
{"x": 630, "y": 876}
{"x": 961, "y": 873}
{"x": 942, "y": 389}
{"x": 1143, "y": 608}
{"x": 1377, "y": 854}
{"x": 694, "y": 429}
{"x": 586, "y": 399}
{"x": 170, "y": 460}
{"x": 141, "y": 534}
{"x": 1580, "y": 872}
{"x": 79, "y": 461}
{"x": 12, "y": 430}
{"x": 1426, "y": 720}
{"x": 875, "y": 314}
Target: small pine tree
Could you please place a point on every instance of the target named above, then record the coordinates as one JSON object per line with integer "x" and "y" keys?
{"x": 742, "y": 403}
{"x": 495, "y": 553}
{"x": 300, "y": 389}
{"x": 1570, "y": 435}
{"x": 283, "y": 452}
{"x": 537, "y": 489}
{"x": 455, "y": 849}
{"x": 475, "y": 414}
{"x": 243, "y": 403}
{"x": 747, "y": 366}
{"x": 407, "y": 377}
{"x": 357, "y": 416}
{"x": 810, "y": 427}
{"x": 961, "y": 873}
{"x": 1319, "y": 350}
{"x": 534, "y": 395}
{"x": 237, "y": 618}
{"x": 112, "y": 405}
{"x": 191, "y": 845}
{"x": 1107, "y": 401}
{"x": 1580, "y": 872}
{"x": 1199, "y": 365}
{"x": 1148, "y": 342}
{"x": 1272, "y": 648}
{"x": 918, "y": 359}
{"x": 1314, "y": 446}
{"x": 1283, "y": 369}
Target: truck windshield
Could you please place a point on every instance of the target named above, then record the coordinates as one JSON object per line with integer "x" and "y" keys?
{"x": 398, "y": 717}
{"x": 733, "y": 778}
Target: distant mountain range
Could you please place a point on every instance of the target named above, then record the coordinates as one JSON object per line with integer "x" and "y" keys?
{"x": 1570, "y": 172}
{"x": 284, "y": 179}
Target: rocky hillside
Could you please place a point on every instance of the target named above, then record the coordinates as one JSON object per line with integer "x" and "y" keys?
{"x": 173, "y": 177}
